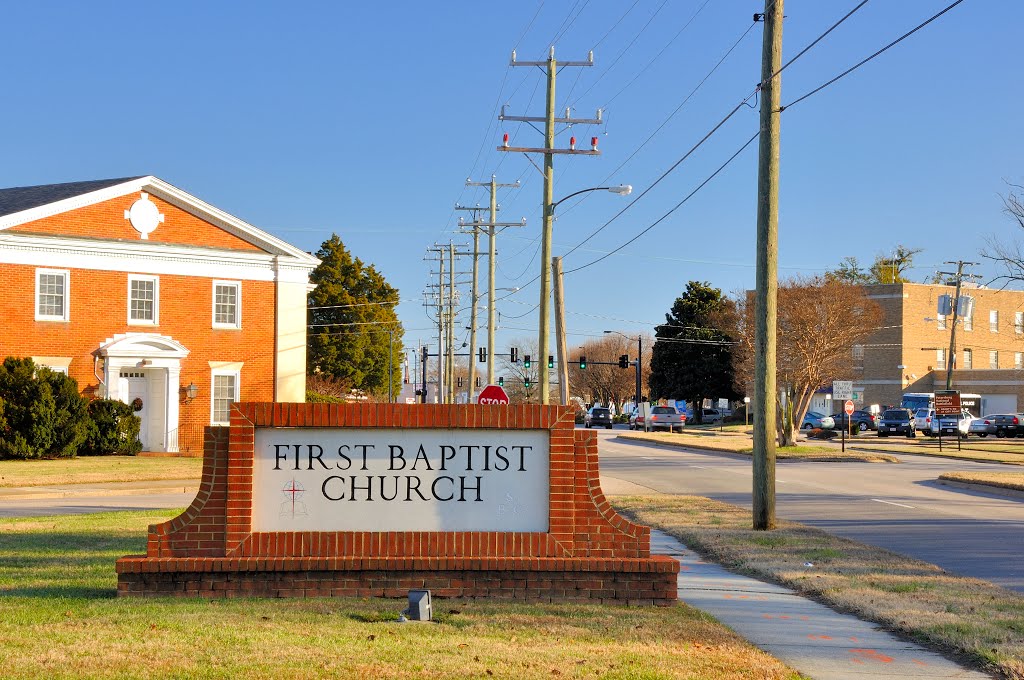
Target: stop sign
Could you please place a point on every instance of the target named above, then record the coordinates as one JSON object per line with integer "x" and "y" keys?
{"x": 848, "y": 407}
{"x": 492, "y": 394}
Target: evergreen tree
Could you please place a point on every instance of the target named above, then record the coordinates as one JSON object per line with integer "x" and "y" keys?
{"x": 692, "y": 359}
{"x": 352, "y": 310}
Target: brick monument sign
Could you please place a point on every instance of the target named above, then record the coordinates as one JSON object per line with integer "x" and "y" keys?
{"x": 373, "y": 500}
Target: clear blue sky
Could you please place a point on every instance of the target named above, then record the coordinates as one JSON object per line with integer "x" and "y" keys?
{"x": 366, "y": 118}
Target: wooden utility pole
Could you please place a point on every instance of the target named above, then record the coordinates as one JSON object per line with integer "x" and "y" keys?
{"x": 951, "y": 359}
{"x": 451, "y": 323}
{"x": 492, "y": 225}
{"x": 765, "y": 306}
{"x": 547, "y": 209}
{"x": 563, "y": 360}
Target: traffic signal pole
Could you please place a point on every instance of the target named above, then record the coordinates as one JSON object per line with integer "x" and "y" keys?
{"x": 563, "y": 365}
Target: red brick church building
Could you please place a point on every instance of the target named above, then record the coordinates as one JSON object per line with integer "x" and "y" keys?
{"x": 137, "y": 289}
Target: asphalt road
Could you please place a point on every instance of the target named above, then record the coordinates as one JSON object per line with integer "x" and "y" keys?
{"x": 87, "y": 504}
{"x": 898, "y": 507}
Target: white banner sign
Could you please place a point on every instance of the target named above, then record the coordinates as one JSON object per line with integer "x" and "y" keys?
{"x": 349, "y": 479}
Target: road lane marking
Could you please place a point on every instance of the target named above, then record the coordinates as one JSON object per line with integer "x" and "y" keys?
{"x": 879, "y": 500}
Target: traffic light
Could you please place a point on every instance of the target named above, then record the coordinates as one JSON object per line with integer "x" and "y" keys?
{"x": 478, "y": 381}
{"x": 526, "y": 383}
{"x": 501, "y": 381}
{"x": 583, "y": 363}
{"x": 526, "y": 361}
{"x": 460, "y": 382}
{"x": 623, "y": 361}
{"x": 482, "y": 354}
{"x": 551, "y": 361}
{"x": 513, "y": 355}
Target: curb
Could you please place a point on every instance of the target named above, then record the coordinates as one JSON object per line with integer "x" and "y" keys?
{"x": 985, "y": 488}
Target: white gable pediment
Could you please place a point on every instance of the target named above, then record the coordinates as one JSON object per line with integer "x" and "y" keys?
{"x": 142, "y": 346}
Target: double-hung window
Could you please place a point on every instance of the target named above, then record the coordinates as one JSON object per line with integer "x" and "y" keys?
{"x": 227, "y": 304}
{"x": 968, "y": 358}
{"x": 143, "y": 300}
{"x": 52, "y": 294}
{"x": 993, "y": 359}
{"x": 225, "y": 391}
{"x": 993, "y": 320}
{"x": 1018, "y": 360}
{"x": 940, "y": 358}
{"x": 1018, "y": 323}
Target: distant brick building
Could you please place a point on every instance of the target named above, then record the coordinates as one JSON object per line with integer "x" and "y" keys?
{"x": 909, "y": 354}
{"x": 137, "y": 289}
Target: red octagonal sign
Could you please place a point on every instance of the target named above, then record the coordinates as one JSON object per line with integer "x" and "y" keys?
{"x": 492, "y": 394}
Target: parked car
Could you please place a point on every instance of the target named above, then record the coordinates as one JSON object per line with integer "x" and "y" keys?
{"x": 897, "y": 421}
{"x": 598, "y": 415}
{"x": 815, "y": 420}
{"x": 665, "y": 417}
{"x": 929, "y": 424}
{"x": 1009, "y": 425}
{"x": 636, "y": 419}
{"x": 862, "y": 420}
{"x": 983, "y": 426}
{"x": 711, "y": 416}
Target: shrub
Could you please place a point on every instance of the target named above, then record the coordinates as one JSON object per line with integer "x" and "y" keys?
{"x": 113, "y": 429}
{"x": 43, "y": 413}
{"x": 317, "y": 398}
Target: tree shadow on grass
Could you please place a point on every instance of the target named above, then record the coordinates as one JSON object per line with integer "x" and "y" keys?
{"x": 62, "y": 564}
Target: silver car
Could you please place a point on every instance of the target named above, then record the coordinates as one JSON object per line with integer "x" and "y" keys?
{"x": 982, "y": 427}
{"x": 815, "y": 420}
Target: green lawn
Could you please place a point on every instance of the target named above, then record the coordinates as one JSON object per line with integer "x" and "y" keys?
{"x": 96, "y": 469}
{"x": 61, "y": 619}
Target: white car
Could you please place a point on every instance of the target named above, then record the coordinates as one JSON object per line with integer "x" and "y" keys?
{"x": 928, "y": 423}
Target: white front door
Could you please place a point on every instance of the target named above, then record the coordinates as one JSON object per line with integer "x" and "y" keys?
{"x": 138, "y": 387}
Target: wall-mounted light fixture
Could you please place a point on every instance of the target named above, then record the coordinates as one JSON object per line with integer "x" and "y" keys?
{"x": 191, "y": 392}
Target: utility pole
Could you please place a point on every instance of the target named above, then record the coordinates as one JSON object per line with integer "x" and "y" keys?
{"x": 563, "y": 359}
{"x": 440, "y": 322}
{"x": 473, "y": 297}
{"x": 959, "y": 274}
{"x": 549, "y": 120}
{"x": 765, "y": 307}
{"x": 451, "y": 323}
{"x": 492, "y": 225}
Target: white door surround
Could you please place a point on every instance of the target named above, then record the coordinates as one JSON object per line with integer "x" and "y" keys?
{"x": 158, "y": 358}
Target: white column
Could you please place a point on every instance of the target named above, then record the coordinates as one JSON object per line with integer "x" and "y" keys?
{"x": 172, "y": 408}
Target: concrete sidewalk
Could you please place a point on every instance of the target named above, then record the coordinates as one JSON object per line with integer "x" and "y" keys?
{"x": 808, "y": 636}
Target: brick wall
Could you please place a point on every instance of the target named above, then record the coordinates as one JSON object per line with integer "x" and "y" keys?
{"x": 98, "y": 309}
{"x": 588, "y": 552}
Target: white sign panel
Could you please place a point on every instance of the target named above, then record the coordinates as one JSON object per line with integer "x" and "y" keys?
{"x": 352, "y": 479}
{"x": 842, "y": 390}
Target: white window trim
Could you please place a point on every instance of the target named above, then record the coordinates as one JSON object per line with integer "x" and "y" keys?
{"x": 1018, "y": 360}
{"x": 968, "y": 359}
{"x": 941, "y": 322}
{"x": 238, "y": 390}
{"x": 156, "y": 300}
{"x": 993, "y": 354}
{"x": 67, "y": 295}
{"x": 993, "y": 321}
{"x": 238, "y": 304}
{"x": 1018, "y": 323}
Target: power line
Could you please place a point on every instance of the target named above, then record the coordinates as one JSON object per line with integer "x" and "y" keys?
{"x": 867, "y": 59}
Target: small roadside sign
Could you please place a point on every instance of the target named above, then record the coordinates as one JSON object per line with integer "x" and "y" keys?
{"x": 842, "y": 390}
{"x": 849, "y": 408}
{"x": 947, "y": 402}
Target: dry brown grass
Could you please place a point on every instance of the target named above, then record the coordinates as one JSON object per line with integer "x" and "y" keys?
{"x": 742, "y": 444}
{"x": 1012, "y": 454}
{"x": 1004, "y": 480}
{"x": 97, "y": 469}
{"x": 974, "y": 619}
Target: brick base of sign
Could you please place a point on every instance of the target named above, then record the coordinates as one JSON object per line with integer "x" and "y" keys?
{"x": 652, "y": 583}
{"x": 590, "y": 553}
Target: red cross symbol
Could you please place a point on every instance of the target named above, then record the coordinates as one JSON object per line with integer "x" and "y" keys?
{"x": 293, "y": 490}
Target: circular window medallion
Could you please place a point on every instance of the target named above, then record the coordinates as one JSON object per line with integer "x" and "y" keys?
{"x": 144, "y": 216}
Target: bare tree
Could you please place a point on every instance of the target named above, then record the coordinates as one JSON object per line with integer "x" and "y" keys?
{"x": 820, "y": 320}
{"x": 607, "y": 384}
{"x": 1009, "y": 256}
{"x": 521, "y": 382}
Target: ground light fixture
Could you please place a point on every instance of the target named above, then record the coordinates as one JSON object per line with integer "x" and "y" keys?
{"x": 420, "y": 607}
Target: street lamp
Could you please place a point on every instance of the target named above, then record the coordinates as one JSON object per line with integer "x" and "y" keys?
{"x": 544, "y": 340}
{"x": 639, "y": 362}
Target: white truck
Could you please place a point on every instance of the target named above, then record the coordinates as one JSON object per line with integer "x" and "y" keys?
{"x": 663, "y": 417}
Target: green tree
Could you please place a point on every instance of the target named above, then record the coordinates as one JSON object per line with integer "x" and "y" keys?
{"x": 44, "y": 415}
{"x": 692, "y": 356}
{"x": 887, "y": 268}
{"x": 352, "y": 322}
